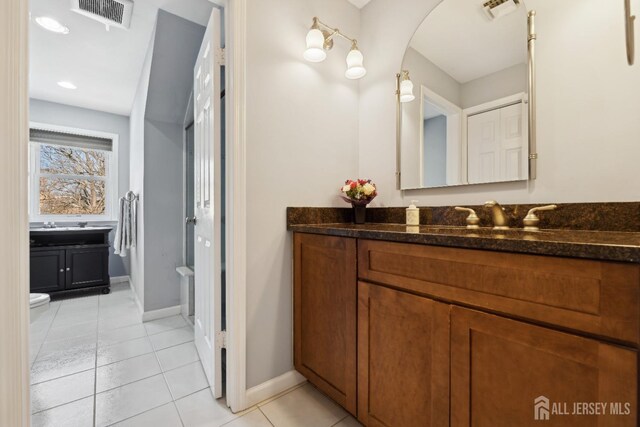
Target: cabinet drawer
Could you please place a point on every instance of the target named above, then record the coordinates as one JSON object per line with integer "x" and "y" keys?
{"x": 599, "y": 298}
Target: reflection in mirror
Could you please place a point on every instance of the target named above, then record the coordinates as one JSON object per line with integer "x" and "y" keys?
{"x": 468, "y": 124}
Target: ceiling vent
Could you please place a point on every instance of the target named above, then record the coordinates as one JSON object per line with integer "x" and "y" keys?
{"x": 112, "y": 13}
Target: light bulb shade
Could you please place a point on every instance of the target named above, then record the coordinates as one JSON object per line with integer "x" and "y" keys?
{"x": 355, "y": 67}
{"x": 406, "y": 91}
{"x": 315, "y": 42}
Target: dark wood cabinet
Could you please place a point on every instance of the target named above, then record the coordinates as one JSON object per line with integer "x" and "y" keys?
{"x": 87, "y": 267}
{"x": 499, "y": 367}
{"x": 325, "y": 315}
{"x": 460, "y": 337}
{"x": 47, "y": 270}
{"x": 403, "y": 359}
{"x": 69, "y": 260}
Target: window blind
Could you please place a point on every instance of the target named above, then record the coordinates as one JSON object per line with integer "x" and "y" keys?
{"x": 70, "y": 140}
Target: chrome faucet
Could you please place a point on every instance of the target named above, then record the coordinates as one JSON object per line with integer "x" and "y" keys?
{"x": 500, "y": 219}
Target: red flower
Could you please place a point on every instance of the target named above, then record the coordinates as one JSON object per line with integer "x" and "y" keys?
{"x": 353, "y": 184}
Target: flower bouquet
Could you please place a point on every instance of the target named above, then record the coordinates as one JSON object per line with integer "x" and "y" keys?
{"x": 359, "y": 193}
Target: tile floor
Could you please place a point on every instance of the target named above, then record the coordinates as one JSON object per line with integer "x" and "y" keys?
{"x": 94, "y": 363}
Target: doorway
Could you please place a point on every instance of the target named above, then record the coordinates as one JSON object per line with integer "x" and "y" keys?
{"x": 189, "y": 178}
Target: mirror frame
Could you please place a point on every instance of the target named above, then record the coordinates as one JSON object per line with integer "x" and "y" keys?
{"x": 533, "y": 153}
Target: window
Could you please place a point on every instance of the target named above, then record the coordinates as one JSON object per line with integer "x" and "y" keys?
{"x": 73, "y": 175}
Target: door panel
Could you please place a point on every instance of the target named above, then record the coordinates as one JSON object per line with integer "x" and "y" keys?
{"x": 484, "y": 146}
{"x": 497, "y": 145}
{"x": 403, "y": 359}
{"x": 499, "y": 367}
{"x": 325, "y": 315}
{"x": 512, "y": 143}
{"x": 208, "y": 275}
{"x": 87, "y": 267}
{"x": 47, "y": 271}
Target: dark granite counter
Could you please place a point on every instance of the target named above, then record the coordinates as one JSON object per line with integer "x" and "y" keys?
{"x": 599, "y": 245}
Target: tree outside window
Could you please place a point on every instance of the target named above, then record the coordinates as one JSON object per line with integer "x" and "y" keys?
{"x": 72, "y": 181}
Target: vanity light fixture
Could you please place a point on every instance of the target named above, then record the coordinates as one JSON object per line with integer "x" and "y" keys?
{"x": 404, "y": 87}
{"x": 52, "y": 25}
{"x": 497, "y": 8}
{"x": 320, "y": 39}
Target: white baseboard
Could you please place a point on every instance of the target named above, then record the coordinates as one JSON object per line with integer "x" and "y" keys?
{"x": 135, "y": 296}
{"x": 274, "y": 386}
{"x": 161, "y": 313}
{"x": 153, "y": 314}
{"x": 119, "y": 279}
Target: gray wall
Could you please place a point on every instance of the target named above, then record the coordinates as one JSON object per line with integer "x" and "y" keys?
{"x": 160, "y": 107}
{"x": 502, "y": 83}
{"x": 65, "y": 115}
{"x": 435, "y": 152}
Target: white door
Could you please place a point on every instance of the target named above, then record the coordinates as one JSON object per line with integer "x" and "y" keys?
{"x": 483, "y": 143}
{"x": 514, "y": 159}
{"x": 208, "y": 294}
{"x": 496, "y": 145}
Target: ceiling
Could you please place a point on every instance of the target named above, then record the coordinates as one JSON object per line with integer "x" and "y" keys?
{"x": 104, "y": 65}
{"x": 359, "y": 3}
{"x": 461, "y": 40}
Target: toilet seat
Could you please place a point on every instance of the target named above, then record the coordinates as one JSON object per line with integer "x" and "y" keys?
{"x": 37, "y": 300}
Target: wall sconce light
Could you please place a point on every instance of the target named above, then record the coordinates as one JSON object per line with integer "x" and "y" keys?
{"x": 320, "y": 39}
{"x": 404, "y": 87}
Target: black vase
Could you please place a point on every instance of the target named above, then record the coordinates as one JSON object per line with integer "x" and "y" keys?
{"x": 359, "y": 214}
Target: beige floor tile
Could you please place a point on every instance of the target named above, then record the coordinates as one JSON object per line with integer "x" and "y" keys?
{"x": 304, "y": 406}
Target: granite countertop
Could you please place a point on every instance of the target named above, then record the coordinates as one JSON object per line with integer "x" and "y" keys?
{"x": 87, "y": 229}
{"x": 599, "y": 245}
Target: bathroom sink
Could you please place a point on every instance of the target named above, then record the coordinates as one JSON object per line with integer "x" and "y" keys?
{"x": 71, "y": 228}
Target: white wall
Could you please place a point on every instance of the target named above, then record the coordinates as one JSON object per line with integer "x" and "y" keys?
{"x": 82, "y": 118}
{"x": 302, "y": 133}
{"x": 137, "y": 171}
{"x": 588, "y": 129}
{"x": 422, "y": 73}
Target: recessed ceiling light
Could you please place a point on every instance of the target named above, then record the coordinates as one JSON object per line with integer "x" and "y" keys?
{"x": 51, "y": 25}
{"x": 67, "y": 85}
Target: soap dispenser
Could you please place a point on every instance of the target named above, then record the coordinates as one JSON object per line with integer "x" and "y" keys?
{"x": 413, "y": 214}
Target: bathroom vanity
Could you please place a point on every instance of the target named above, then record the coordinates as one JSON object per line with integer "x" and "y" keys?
{"x": 446, "y": 326}
{"x": 69, "y": 259}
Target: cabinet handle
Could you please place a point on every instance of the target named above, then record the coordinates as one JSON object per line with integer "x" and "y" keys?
{"x": 68, "y": 268}
{"x": 62, "y": 270}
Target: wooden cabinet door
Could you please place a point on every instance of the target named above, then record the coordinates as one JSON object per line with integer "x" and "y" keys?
{"x": 403, "y": 359}
{"x": 325, "y": 314}
{"x": 500, "y": 367}
{"x": 47, "y": 271}
{"x": 87, "y": 267}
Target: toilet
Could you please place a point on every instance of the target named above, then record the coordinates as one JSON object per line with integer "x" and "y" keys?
{"x": 38, "y": 304}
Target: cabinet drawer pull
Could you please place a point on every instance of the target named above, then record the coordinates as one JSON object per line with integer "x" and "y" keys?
{"x": 68, "y": 268}
{"x": 62, "y": 270}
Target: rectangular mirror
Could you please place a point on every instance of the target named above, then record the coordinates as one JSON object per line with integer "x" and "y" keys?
{"x": 468, "y": 122}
